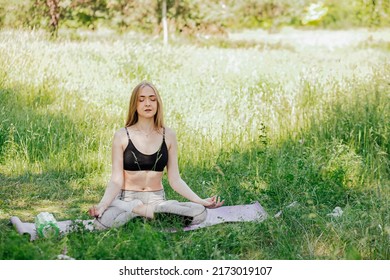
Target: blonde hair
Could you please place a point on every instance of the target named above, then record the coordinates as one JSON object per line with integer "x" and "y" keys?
{"x": 132, "y": 116}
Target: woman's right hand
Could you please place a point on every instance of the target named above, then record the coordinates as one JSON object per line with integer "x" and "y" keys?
{"x": 96, "y": 211}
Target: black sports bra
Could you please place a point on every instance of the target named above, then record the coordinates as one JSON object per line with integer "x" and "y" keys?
{"x": 134, "y": 160}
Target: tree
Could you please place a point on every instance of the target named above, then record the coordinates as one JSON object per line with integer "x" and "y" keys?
{"x": 54, "y": 13}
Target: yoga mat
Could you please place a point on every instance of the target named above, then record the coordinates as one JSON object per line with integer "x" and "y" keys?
{"x": 237, "y": 213}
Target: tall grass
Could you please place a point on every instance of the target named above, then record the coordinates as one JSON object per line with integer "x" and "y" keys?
{"x": 302, "y": 123}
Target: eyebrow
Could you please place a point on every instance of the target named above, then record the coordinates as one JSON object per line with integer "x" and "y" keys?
{"x": 150, "y": 95}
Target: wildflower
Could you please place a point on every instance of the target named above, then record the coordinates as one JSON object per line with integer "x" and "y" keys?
{"x": 337, "y": 212}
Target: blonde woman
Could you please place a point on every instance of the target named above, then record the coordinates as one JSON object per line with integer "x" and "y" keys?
{"x": 140, "y": 152}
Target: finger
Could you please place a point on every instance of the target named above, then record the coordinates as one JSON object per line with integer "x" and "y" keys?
{"x": 219, "y": 202}
{"x": 93, "y": 212}
{"x": 212, "y": 204}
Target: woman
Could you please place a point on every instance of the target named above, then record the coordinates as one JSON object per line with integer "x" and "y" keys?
{"x": 140, "y": 152}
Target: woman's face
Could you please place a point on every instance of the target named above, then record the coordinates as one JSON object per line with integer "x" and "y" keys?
{"x": 147, "y": 103}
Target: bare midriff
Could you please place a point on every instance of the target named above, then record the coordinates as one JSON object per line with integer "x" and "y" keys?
{"x": 143, "y": 181}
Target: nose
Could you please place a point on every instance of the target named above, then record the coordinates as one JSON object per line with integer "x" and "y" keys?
{"x": 147, "y": 103}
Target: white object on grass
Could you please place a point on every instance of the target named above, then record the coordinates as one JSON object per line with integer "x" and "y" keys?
{"x": 337, "y": 212}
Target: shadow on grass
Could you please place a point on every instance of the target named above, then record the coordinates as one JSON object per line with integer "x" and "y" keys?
{"x": 45, "y": 154}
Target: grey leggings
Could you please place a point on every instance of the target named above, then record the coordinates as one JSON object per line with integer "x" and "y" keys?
{"x": 120, "y": 210}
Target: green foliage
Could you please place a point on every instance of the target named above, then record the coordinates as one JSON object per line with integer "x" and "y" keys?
{"x": 357, "y": 13}
{"x": 196, "y": 17}
{"x": 89, "y": 13}
{"x": 136, "y": 15}
{"x": 20, "y": 14}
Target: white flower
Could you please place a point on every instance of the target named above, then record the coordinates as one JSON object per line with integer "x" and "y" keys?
{"x": 337, "y": 212}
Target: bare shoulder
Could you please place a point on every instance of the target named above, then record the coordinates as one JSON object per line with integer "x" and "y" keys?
{"x": 170, "y": 136}
{"x": 170, "y": 133}
{"x": 120, "y": 132}
{"x": 120, "y": 136}
{"x": 130, "y": 129}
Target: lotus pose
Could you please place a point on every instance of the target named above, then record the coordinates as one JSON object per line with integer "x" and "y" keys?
{"x": 140, "y": 152}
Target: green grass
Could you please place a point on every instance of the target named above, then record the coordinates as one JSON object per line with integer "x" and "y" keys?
{"x": 306, "y": 123}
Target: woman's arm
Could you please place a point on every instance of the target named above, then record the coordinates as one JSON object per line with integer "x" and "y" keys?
{"x": 177, "y": 182}
{"x": 116, "y": 181}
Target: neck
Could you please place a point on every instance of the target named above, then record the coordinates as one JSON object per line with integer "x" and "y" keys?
{"x": 146, "y": 125}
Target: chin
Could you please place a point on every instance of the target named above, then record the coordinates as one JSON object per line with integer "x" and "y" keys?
{"x": 148, "y": 116}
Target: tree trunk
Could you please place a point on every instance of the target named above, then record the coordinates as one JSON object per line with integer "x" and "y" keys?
{"x": 54, "y": 13}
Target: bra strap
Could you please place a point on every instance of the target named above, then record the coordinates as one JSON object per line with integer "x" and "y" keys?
{"x": 128, "y": 136}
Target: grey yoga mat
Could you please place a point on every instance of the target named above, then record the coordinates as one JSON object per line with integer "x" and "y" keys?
{"x": 237, "y": 213}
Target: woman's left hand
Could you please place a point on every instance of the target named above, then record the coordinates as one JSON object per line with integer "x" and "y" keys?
{"x": 213, "y": 202}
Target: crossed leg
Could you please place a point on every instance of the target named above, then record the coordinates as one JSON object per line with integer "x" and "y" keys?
{"x": 120, "y": 212}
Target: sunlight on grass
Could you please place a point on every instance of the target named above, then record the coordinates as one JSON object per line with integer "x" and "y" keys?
{"x": 304, "y": 117}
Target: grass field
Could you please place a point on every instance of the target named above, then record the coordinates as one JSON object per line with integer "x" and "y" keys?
{"x": 295, "y": 116}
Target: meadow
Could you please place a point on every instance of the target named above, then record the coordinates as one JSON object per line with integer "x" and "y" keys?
{"x": 298, "y": 117}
